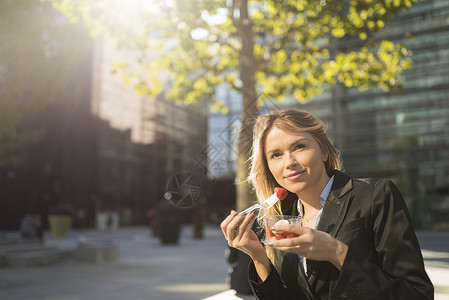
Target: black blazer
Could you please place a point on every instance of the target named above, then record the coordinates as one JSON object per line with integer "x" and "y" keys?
{"x": 384, "y": 259}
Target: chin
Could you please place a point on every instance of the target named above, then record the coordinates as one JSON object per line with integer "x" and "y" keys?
{"x": 295, "y": 189}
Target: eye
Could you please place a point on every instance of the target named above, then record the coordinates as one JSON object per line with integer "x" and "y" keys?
{"x": 275, "y": 155}
{"x": 299, "y": 146}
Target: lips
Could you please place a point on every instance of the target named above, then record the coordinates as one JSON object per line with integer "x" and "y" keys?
{"x": 294, "y": 176}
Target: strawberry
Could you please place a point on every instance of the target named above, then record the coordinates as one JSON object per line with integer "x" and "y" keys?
{"x": 281, "y": 193}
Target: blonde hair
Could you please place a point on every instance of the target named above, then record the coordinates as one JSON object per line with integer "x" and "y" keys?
{"x": 289, "y": 120}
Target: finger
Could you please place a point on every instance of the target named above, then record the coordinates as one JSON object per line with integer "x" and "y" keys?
{"x": 224, "y": 225}
{"x": 283, "y": 242}
{"x": 245, "y": 226}
{"x": 252, "y": 219}
{"x": 229, "y": 218}
{"x": 286, "y": 242}
{"x": 248, "y": 221}
{"x": 233, "y": 226}
{"x": 290, "y": 228}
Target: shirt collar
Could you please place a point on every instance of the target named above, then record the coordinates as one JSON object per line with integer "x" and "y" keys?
{"x": 326, "y": 191}
{"x": 323, "y": 196}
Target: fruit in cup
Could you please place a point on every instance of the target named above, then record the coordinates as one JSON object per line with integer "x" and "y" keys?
{"x": 280, "y": 235}
{"x": 280, "y": 222}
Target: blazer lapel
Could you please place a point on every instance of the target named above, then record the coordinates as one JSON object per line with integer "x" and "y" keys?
{"x": 333, "y": 215}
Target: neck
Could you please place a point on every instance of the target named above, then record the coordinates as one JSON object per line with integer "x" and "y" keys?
{"x": 311, "y": 198}
{"x": 311, "y": 208}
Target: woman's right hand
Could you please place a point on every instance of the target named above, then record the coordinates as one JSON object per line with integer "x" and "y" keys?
{"x": 237, "y": 231}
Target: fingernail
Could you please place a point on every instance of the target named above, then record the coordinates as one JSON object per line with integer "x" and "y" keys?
{"x": 269, "y": 243}
{"x": 233, "y": 213}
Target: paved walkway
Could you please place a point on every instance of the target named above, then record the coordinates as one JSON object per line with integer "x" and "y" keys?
{"x": 194, "y": 269}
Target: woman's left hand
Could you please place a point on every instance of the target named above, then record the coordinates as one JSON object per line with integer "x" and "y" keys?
{"x": 312, "y": 244}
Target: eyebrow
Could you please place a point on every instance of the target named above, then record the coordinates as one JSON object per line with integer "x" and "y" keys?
{"x": 300, "y": 140}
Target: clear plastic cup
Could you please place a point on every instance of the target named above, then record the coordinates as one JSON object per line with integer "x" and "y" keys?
{"x": 272, "y": 220}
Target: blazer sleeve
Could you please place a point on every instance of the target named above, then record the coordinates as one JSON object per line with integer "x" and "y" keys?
{"x": 399, "y": 271}
{"x": 272, "y": 288}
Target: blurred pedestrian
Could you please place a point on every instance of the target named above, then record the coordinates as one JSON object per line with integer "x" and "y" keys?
{"x": 151, "y": 222}
{"x": 109, "y": 221}
{"x": 81, "y": 218}
{"x": 31, "y": 226}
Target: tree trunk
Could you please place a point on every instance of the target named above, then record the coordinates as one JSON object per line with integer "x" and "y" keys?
{"x": 248, "y": 68}
{"x": 245, "y": 197}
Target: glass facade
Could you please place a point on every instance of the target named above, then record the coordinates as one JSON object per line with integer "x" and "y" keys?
{"x": 223, "y": 133}
{"x": 402, "y": 135}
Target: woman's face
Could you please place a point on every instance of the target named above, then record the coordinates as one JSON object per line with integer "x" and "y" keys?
{"x": 296, "y": 162}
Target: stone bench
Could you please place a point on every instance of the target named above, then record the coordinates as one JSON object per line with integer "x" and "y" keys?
{"x": 10, "y": 252}
{"x": 18, "y": 241}
{"x": 96, "y": 251}
{"x": 31, "y": 257}
{"x": 29, "y": 254}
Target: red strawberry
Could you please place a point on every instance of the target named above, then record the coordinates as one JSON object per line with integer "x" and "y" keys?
{"x": 281, "y": 193}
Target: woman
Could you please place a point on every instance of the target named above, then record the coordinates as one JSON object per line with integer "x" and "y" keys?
{"x": 356, "y": 240}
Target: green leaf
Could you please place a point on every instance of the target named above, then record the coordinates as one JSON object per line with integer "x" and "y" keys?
{"x": 338, "y": 32}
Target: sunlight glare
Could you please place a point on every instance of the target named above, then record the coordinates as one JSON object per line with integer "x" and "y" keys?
{"x": 126, "y": 8}
{"x": 216, "y": 19}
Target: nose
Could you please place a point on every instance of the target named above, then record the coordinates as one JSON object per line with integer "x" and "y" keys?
{"x": 290, "y": 161}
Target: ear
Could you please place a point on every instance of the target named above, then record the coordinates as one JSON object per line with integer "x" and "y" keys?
{"x": 325, "y": 157}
